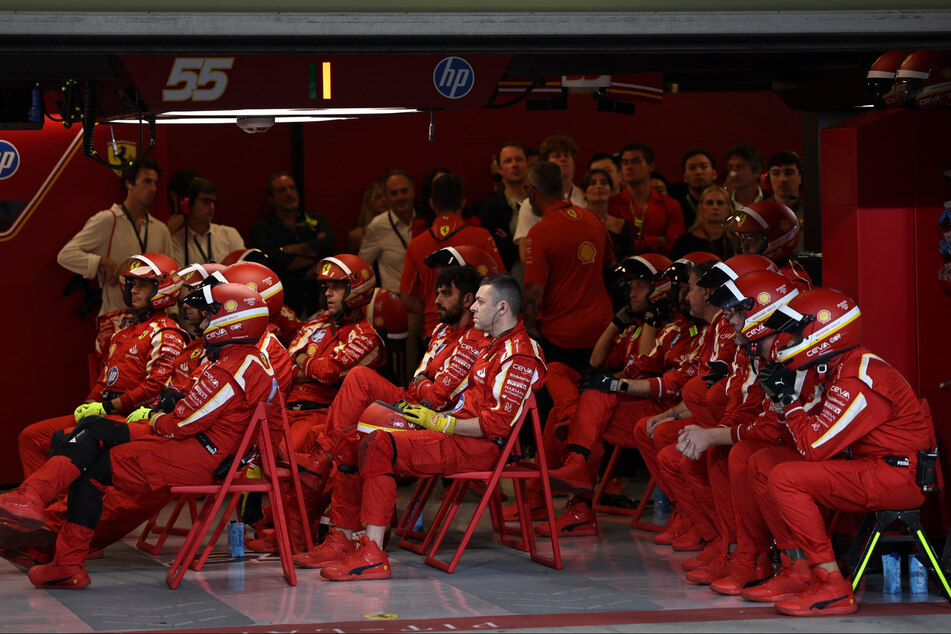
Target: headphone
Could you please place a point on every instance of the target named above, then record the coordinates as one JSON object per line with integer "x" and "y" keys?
{"x": 184, "y": 205}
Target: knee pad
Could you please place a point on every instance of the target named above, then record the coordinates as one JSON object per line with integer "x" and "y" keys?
{"x": 84, "y": 506}
{"x": 90, "y": 437}
{"x": 377, "y": 454}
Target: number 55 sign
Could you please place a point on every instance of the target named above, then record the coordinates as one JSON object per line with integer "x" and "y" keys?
{"x": 197, "y": 79}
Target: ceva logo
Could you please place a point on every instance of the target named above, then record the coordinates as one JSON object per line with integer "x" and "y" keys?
{"x": 454, "y": 77}
{"x": 9, "y": 159}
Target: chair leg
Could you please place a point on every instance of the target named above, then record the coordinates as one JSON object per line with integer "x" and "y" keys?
{"x": 414, "y": 509}
{"x": 209, "y": 509}
{"x": 882, "y": 521}
{"x": 596, "y": 505}
{"x": 636, "y": 519}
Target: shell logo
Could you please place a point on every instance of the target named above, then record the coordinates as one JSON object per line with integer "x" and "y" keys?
{"x": 231, "y": 305}
{"x": 311, "y": 349}
{"x": 253, "y": 286}
{"x": 587, "y": 252}
{"x": 483, "y": 270}
{"x": 365, "y": 274}
{"x": 824, "y": 316}
{"x": 763, "y": 298}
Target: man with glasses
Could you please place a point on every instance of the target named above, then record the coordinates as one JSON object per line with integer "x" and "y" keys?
{"x": 200, "y": 240}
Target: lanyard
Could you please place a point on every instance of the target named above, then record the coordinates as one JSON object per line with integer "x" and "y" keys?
{"x": 638, "y": 220}
{"x": 395, "y": 230}
{"x": 142, "y": 244}
{"x": 206, "y": 256}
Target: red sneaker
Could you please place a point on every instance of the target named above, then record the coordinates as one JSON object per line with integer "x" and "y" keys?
{"x": 831, "y": 594}
{"x": 792, "y": 579}
{"x": 335, "y": 548}
{"x": 615, "y": 486}
{"x": 572, "y": 476}
{"x": 22, "y": 508}
{"x": 689, "y": 541}
{"x": 717, "y": 569}
{"x": 266, "y": 543}
{"x": 367, "y": 562}
{"x": 677, "y": 525}
{"x": 59, "y": 576}
{"x": 578, "y": 520}
{"x": 535, "y": 502}
{"x": 709, "y": 551}
{"x": 748, "y": 569}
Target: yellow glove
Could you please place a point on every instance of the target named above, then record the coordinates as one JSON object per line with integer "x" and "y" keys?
{"x": 142, "y": 413}
{"x": 89, "y": 409}
{"x": 425, "y": 417}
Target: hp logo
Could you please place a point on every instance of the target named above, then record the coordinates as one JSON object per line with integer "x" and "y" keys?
{"x": 9, "y": 160}
{"x": 454, "y": 77}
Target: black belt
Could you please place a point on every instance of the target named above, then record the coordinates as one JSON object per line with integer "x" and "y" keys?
{"x": 896, "y": 461}
{"x": 305, "y": 405}
{"x": 209, "y": 446}
{"x": 500, "y": 442}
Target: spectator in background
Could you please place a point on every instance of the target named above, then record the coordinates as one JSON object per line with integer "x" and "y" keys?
{"x": 560, "y": 150}
{"x": 700, "y": 171}
{"x": 425, "y": 214}
{"x": 656, "y": 217}
{"x": 498, "y": 214}
{"x": 176, "y": 189}
{"x": 707, "y": 233}
{"x": 384, "y": 245}
{"x": 199, "y": 240}
{"x": 744, "y": 167}
{"x": 532, "y": 155}
{"x": 608, "y": 163}
{"x": 374, "y": 203}
{"x": 293, "y": 240}
{"x": 785, "y": 179}
{"x": 659, "y": 183}
{"x": 566, "y": 303}
{"x": 598, "y": 186}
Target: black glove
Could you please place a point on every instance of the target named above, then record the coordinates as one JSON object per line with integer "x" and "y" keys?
{"x": 623, "y": 318}
{"x": 600, "y": 380}
{"x": 718, "y": 370}
{"x": 658, "y": 314}
{"x": 778, "y": 383}
{"x": 168, "y": 398}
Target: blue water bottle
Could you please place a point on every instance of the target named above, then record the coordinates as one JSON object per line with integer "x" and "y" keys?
{"x": 661, "y": 501}
{"x": 891, "y": 573}
{"x": 917, "y": 576}
{"x": 236, "y": 539}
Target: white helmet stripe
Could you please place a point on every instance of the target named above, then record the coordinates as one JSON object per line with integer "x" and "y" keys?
{"x": 346, "y": 269}
{"x": 764, "y": 314}
{"x": 755, "y": 216}
{"x": 230, "y": 318}
{"x": 155, "y": 269}
{"x": 647, "y": 264}
{"x": 456, "y": 254}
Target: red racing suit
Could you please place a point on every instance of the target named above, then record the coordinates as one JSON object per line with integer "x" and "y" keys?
{"x": 139, "y": 363}
{"x": 869, "y": 413}
{"x": 495, "y": 391}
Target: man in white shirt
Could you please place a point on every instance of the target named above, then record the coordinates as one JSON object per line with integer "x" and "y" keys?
{"x": 387, "y": 235}
{"x": 200, "y": 240}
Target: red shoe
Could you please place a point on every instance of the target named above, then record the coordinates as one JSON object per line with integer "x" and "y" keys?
{"x": 266, "y": 543}
{"x": 22, "y": 508}
{"x": 535, "y": 502}
{"x": 572, "y": 476}
{"x": 55, "y": 575}
{"x": 689, "y": 541}
{"x": 28, "y": 556}
{"x": 314, "y": 469}
{"x": 335, "y": 548}
{"x": 367, "y": 562}
{"x": 831, "y": 594}
{"x": 615, "y": 486}
{"x": 578, "y": 520}
{"x": 791, "y": 580}
{"x": 748, "y": 569}
{"x": 677, "y": 525}
{"x": 709, "y": 551}
{"x": 717, "y": 569}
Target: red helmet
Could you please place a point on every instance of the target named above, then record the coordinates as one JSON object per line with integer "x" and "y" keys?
{"x": 258, "y": 278}
{"x": 236, "y": 314}
{"x": 245, "y": 255}
{"x": 814, "y": 326}
{"x": 353, "y": 270}
{"x": 386, "y": 312}
{"x": 461, "y": 255}
{"x": 881, "y": 76}
{"x": 923, "y": 80}
{"x": 679, "y": 271}
{"x": 776, "y": 223}
{"x": 195, "y": 274}
{"x": 723, "y": 272}
{"x": 156, "y": 267}
{"x": 380, "y": 415}
{"x": 651, "y": 267}
{"x": 758, "y": 294}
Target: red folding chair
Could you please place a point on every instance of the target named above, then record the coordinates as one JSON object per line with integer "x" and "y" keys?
{"x": 509, "y": 465}
{"x": 164, "y": 530}
{"x": 268, "y": 421}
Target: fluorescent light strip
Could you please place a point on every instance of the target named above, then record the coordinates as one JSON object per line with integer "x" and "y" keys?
{"x": 295, "y": 112}
{"x": 230, "y": 120}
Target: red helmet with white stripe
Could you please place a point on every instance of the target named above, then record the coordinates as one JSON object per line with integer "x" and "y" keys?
{"x": 816, "y": 325}
{"x": 386, "y": 312}
{"x": 258, "y": 278}
{"x": 768, "y": 227}
{"x": 723, "y": 272}
{"x": 245, "y": 255}
{"x": 679, "y": 271}
{"x": 651, "y": 267}
{"x": 235, "y": 313}
{"x": 463, "y": 254}
{"x": 355, "y": 272}
{"x": 195, "y": 274}
{"x": 156, "y": 267}
{"x": 758, "y": 294}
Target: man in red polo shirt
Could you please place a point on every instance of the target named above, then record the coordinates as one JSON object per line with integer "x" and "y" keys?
{"x": 657, "y": 218}
{"x": 448, "y": 199}
{"x": 566, "y": 303}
